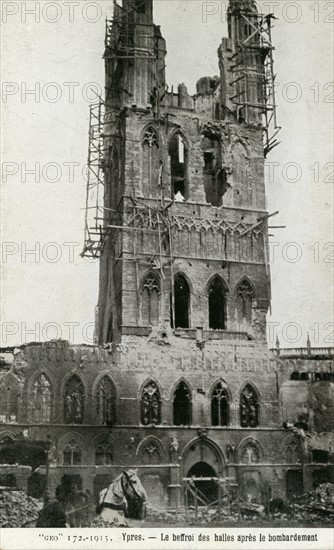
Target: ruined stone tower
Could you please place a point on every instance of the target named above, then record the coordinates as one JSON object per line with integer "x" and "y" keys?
{"x": 185, "y": 213}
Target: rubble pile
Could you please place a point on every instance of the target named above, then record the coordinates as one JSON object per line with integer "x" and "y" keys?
{"x": 17, "y": 509}
{"x": 316, "y": 505}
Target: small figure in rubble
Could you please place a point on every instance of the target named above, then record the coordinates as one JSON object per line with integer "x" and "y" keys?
{"x": 53, "y": 512}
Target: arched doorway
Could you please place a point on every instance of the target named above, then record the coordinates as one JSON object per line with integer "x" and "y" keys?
{"x": 207, "y": 488}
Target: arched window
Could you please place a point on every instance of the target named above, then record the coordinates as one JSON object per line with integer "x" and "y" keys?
{"x": 178, "y": 162}
{"x": 106, "y": 402}
{"x": 220, "y": 408}
{"x": 150, "y": 404}
{"x": 74, "y": 401}
{"x": 72, "y": 454}
{"x": 181, "y": 302}
{"x": 182, "y": 405}
{"x": 151, "y": 163}
{"x": 217, "y": 304}
{"x": 249, "y": 408}
{"x": 244, "y": 302}
{"x": 103, "y": 454}
{"x": 150, "y": 292}
{"x": 41, "y": 400}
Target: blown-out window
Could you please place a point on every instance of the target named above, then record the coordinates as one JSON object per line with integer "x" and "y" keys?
{"x": 74, "y": 401}
{"x": 220, "y": 409}
{"x": 41, "y": 400}
{"x": 151, "y": 163}
{"x": 249, "y": 407}
{"x": 178, "y": 163}
{"x": 181, "y": 305}
{"x": 150, "y": 292}
{"x": 182, "y": 405}
{"x": 150, "y": 404}
{"x": 106, "y": 401}
{"x": 217, "y": 304}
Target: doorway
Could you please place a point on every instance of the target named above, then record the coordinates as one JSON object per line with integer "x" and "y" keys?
{"x": 207, "y": 489}
{"x": 294, "y": 483}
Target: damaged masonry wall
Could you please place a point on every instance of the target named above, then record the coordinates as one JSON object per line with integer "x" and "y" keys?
{"x": 260, "y": 455}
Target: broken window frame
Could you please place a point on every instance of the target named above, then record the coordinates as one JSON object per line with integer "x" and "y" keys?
{"x": 150, "y": 404}
{"x": 249, "y": 407}
{"x": 105, "y": 397}
{"x": 213, "y": 303}
{"x": 41, "y": 395}
{"x": 221, "y": 416}
{"x": 74, "y": 400}
{"x": 181, "y": 303}
{"x": 182, "y": 405}
{"x": 179, "y": 176}
{"x": 73, "y": 451}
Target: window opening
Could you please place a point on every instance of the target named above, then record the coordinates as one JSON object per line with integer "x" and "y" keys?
{"x": 72, "y": 454}
{"x": 103, "y": 454}
{"x": 182, "y": 302}
{"x": 217, "y": 305}
{"x": 244, "y": 302}
{"x": 178, "y": 160}
{"x": 106, "y": 401}
{"x": 151, "y": 404}
{"x": 41, "y": 396}
{"x": 249, "y": 408}
{"x": 150, "y": 300}
{"x": 74, "y": 401}
{"x": 219, "y": 406}
{"x": 182, "y": 405}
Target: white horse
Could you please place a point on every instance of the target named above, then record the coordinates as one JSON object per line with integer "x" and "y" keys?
{"x": 125, "y": 497}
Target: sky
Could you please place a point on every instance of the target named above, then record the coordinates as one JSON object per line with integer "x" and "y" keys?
{"x": 53, "y": 62}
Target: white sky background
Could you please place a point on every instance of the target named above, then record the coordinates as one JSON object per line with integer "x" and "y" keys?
{"x": 36, "y": 291}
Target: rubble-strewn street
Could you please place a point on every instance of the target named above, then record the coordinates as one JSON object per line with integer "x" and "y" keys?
{"x": 312, "y": 509}
{"x": 18, "y": 510}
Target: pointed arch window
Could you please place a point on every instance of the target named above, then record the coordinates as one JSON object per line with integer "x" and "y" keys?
{"x": 74, "y": 401}
{"x": 217, "y": 304}
{"x": 182, "y": 405}
{"x": 220, "y": 407}
{"x": 245, "y": 297}
{"x": 151, "y": 163}
{"x": 72, "y": 453}
{"x": 150, "y": 293}
{"x": 150, "y": 404}
{"x": 103, "y": 454}
{"x": 249, "y": 408}
{"x": 41, "y": 400}
{"x": 178, "y": 153}
{"x": 106, "y": 402}
{"x": 181, "y": 302}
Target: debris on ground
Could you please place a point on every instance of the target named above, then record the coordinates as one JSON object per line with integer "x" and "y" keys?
{"x": 17, "y": 509}
{"x": 316, "y": 505}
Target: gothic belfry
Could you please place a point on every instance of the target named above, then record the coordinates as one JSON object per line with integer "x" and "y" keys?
{"x": 182, "y": 240}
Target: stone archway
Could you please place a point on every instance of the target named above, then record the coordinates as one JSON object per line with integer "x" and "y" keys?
{"x": 206, "y": 487}
{"x": 203, "y": 458}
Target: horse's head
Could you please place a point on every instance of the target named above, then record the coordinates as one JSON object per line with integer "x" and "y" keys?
{"x": 133, "y": 489}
